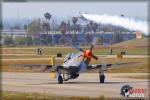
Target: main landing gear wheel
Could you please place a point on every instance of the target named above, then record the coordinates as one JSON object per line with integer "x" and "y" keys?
{"x": 60, "y": 79}
{"x": 102, "y": 78}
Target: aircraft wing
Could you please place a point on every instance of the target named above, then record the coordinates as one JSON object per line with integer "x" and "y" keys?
{"x": 110, "y": 66}
{"x": 38, "y": 67}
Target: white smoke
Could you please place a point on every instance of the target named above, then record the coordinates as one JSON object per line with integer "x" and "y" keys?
{"x": 125, "y": 22}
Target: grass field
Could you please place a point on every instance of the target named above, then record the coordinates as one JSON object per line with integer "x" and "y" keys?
{"x": 131, "y": 47}
{"x": 64, "y": 51}
{"x": 35, "y": 96}
{"x": 98, "y": 50}
{"x": 143, "y": 42}
{"x": 24, "y": 56}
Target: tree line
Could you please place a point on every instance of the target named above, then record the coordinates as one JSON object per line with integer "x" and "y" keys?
{"x": 38, "y": 27}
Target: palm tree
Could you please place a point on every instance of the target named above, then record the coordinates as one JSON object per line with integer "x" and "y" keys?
{"x": 47, "y": 16}
{"x": 46, "y": 25}
{"x": 93, "y": 26}
{"x": 74, "y": 20}
{"x": 63, "y": 27}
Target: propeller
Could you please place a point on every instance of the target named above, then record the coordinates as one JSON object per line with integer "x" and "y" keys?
{"x": 92, "y": 46}
{"x": 95, "y": 57}
{"x": 89, "y": 52}
{"x": 77, "y": 48}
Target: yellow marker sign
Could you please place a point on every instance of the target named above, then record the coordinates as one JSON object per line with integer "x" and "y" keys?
{"x": 52, "y": 60}
{"x": 52, "y": 75}
{"x": 119, "y": 56}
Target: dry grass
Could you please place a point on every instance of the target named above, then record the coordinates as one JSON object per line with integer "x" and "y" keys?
{"x": 7, "y": 65}
{"x": 23, "y": 56}
{"x": 36, "y": 96}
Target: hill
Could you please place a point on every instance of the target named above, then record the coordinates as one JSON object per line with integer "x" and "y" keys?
{"x": 143, "y": 42}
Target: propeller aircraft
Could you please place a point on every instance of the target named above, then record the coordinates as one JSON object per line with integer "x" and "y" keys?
{"x": 74, "y": 64}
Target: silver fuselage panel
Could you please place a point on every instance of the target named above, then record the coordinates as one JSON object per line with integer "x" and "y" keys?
{"x": 75, "y": 60}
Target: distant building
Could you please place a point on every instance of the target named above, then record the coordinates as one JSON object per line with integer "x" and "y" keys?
{"x": 13, "y": 32}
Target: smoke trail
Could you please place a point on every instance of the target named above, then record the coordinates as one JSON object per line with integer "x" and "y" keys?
{"x": 125, "y": 22}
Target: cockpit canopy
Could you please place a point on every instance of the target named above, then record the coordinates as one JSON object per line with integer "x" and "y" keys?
{"x": 68, "y": 56}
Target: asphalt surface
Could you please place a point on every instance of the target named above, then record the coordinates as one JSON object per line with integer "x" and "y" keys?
{"x": 86, "y": 85}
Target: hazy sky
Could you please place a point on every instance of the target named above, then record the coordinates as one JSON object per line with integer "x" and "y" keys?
{"x": 64, "y": 9}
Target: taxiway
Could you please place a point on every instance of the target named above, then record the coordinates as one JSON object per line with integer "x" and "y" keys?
{"x": 86, "y": 85}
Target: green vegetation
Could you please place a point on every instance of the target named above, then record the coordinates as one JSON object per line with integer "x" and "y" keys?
{"x": 20, "y": 41}
{"x": 36, "y": 96}
{"x": 34, "y": 28}
{"x": 8, "y": 40}
{"x": 131, "y": 47}
{"x": 65, "y": 50}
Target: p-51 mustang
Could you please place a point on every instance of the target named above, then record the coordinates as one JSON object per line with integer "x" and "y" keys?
{"x": 74, "y": 64}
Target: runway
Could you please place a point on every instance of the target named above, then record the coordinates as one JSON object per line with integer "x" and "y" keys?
{"x": 86, "y": 85}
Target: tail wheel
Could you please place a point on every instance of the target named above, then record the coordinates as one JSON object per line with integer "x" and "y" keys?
{"x": 102, "y": 78}
{"x": 60, "y": 79}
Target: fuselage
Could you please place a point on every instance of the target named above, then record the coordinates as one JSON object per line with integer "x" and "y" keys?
{"x": 75, "y": 62}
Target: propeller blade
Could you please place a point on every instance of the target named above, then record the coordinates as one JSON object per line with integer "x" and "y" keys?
{"x": 95, "y": 57}
{"x": 82, "y": 50}
{"x": 77, "y": 48}
{"x": 91, "y": 48}
{"x": 94, "y": 43}
{"x": 95, "y": 40}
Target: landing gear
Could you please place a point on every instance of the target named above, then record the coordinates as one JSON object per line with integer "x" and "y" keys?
{"x": 60, "y": 78}
{"x": 101, "y": 76}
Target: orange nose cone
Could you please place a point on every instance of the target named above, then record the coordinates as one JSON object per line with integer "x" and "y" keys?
{"x": 83, "y": 54}
{"x": 89, "y": 53}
